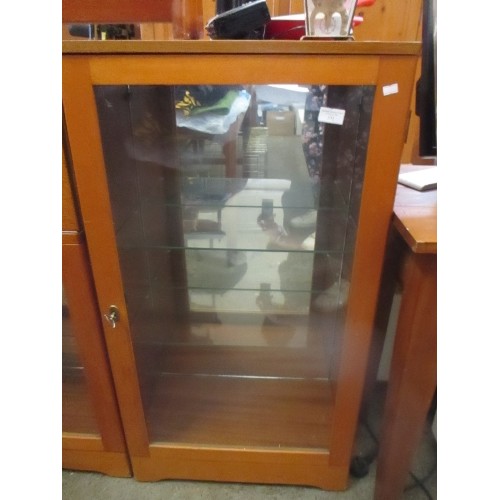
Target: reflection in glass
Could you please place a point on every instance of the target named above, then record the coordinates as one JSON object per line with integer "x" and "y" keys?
{"x": 235, "y": 213}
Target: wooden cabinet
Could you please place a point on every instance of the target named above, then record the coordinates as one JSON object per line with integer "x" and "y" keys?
{"x": 396, "y": 21}
{"x": 236, "y": 198}
{"x": 390, "y": 20}
{"x": 92, "y": 436}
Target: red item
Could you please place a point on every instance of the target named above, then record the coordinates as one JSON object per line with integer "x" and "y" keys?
{"x": 293, "y": 27}
{"x": 365, "y": 3}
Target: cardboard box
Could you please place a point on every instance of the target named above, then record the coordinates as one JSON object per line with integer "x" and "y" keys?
{"x": 280, "y": 122}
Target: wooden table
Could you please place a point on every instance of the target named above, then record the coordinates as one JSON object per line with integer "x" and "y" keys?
{"x": 412, "y": 258}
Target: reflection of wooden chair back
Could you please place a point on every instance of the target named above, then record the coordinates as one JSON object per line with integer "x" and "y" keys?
{"x": 153, "y": 17}
{"x": 116, "y": 11}
{"x": 150, "y": 15}
{"x": 284, "y": 7}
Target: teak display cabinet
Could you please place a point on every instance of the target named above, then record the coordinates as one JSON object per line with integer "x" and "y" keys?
{"x": 237, "y": 329}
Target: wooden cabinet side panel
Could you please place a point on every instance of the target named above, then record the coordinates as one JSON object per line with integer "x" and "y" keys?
{"x": 383, "y": 157}
{"x": 88, "y": 336}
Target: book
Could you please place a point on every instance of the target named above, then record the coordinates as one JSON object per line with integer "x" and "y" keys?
{"x": 424, "y": 179}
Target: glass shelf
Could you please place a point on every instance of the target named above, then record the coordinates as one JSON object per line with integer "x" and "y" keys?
{"x": 236, "y": 228}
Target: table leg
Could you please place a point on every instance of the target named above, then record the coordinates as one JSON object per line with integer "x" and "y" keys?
{"x": 412, "y": 380}
{"x": 395, "y": 250}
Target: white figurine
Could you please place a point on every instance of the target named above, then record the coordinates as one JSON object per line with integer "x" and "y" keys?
{"x": 328, "y": 8}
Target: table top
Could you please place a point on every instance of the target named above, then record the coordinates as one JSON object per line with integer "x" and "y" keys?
{"x": 415, "y": 215}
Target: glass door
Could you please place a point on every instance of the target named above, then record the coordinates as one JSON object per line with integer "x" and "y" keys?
{"x": 235, "y": 211}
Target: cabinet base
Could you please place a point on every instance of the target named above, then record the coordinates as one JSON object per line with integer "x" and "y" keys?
{"x": 109, "y": 463}
{"x": 293, "y": 467}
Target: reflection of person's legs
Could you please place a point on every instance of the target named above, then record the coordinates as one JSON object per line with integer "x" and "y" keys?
{"x": 335, "y": 289}
{"x": 312, "y": 144}
{"x": 335, "y": 294}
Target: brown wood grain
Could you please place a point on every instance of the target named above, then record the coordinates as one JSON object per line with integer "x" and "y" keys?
{"x": 277, "y": 47}
{"x": 110, "y": 463}
{"x": 79, "y": 441}
{"x": 411, "y": 258}
{"x": 413, "y": 374}
{"x": 264, "y": 466}
{"x": 115, "y": 11}
{"x": 241, "y": 412}
{"x": 390, "y": 20}
{"x": 415, "y": 215}
{"x": 265, "y": 361}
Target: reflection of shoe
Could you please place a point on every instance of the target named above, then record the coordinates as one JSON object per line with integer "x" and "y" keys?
{"x": 333, "y": 298}
{"x": 309, "y": 242}
{"x": 266, "y": 222}
{"x": 306, "y": 220}
{"x": 278, "y": 237}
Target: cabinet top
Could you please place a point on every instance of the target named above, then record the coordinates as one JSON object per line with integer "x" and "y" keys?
{"x": 306, "y": 47}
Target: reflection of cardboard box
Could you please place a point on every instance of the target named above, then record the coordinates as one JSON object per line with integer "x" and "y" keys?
{"x": 280, "y": 122}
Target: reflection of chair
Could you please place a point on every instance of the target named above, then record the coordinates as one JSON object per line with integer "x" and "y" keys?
{"x": 114, "y": 11}
{"x": 204, "y": 199}
{"x": 229, "y": 142}
{"x": 156, "y": 18}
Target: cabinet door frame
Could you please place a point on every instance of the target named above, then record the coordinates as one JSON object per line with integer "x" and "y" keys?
{"x": 391, "y": 68}
{"x": 106, "y": 451}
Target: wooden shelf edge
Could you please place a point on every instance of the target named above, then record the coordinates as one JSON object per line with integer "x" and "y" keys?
{"x": 239, "y": 47}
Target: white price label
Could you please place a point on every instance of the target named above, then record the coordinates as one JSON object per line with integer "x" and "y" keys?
{"x": 390, "y": 89}
{"x": 331, "y": 115}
